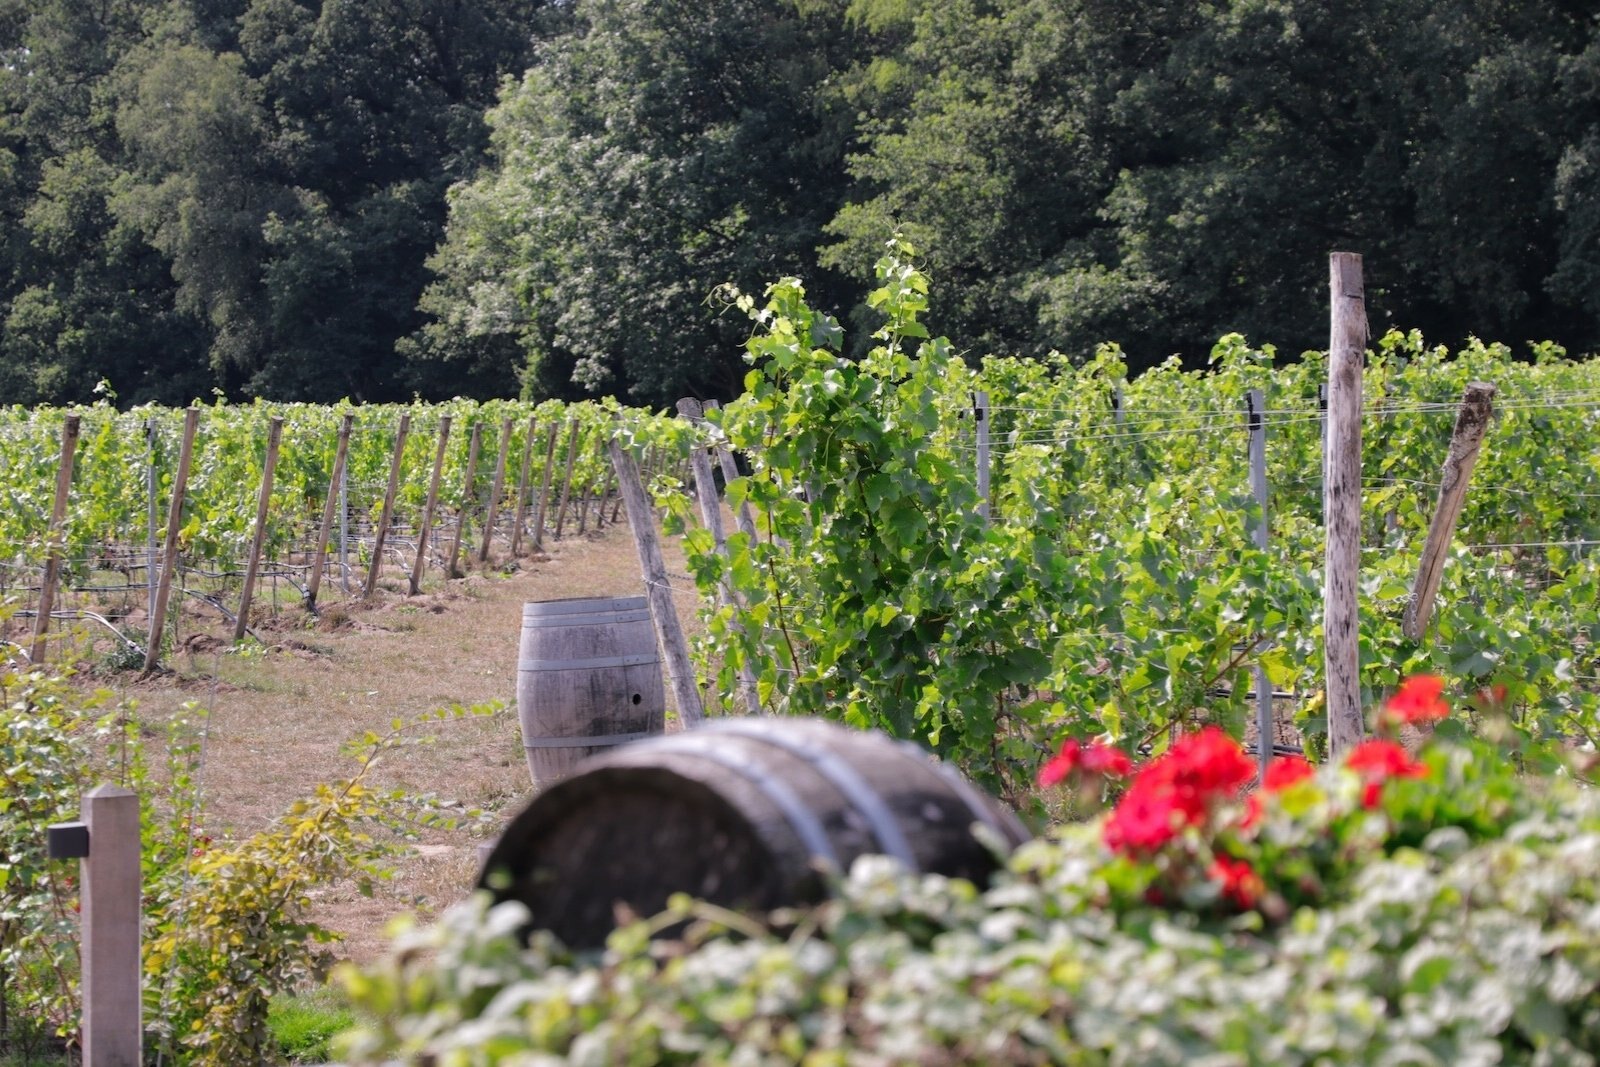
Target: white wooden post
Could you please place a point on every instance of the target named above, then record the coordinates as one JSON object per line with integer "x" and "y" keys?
{"x": 109, "y": 914}
{"x": 980, "y": 421}
{"x": 1341, "y": 503}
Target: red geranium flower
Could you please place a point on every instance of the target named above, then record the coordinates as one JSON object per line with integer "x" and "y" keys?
{"x": 1377, "y": 761}
{"x": 1286, "y": 771}
{"x": 1093, "y": 758}
{"x": 1145, "y": 819}
{"x": 1241, "y": 885}
{"x": 1418, "y": 700}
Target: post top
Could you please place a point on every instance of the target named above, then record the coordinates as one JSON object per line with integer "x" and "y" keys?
{"x": 106, "y": 789}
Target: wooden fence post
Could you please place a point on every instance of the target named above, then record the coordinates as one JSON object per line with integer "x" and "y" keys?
{"x": 387, "y": 514}
{"x": 319, "y": 556}
{"x": 58, "y": 515}
{"x": 427, "y": 509}
{"x": 1256, "y": 418}
{"x": 522, "y": 486}
{"x": 543, "y": 505}
{"x": 1341, "y": 504}
{"x": 730, "y": 471}
{"x": 109, "y": 906}
{"x": 467, "y": 500}
{"x": 674, "y": 647}
{"x": 263, "y": 504}
{"x": 497, "y": 487}
{"x": 169, "y": 554}
{"x": 980, "y": 421}
{"x": 1472, "y": 421}
{"x": 566, "y": 481}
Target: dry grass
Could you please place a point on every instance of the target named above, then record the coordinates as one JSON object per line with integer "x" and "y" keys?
{"x": 279, "y": 717}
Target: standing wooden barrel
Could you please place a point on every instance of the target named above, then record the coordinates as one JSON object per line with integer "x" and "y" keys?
{"x": 741, "y": 812}
{"x": 588, "y": 679}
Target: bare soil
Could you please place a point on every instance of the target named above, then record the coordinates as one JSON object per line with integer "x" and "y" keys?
{"x": 281, "y": 711}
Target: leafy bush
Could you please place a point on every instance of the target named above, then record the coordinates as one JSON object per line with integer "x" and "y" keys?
{"x": 1387, "y": 910}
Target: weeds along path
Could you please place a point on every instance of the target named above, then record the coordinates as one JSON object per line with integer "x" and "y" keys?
{"x": 280, "y": 714}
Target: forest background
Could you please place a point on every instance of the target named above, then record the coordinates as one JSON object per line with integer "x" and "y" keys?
{"x": 314, "y": 199}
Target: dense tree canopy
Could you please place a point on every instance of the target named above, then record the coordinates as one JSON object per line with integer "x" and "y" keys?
{"x": 318, "y": 198}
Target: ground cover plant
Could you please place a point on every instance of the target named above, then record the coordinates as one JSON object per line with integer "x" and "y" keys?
{"x": 1440, "y": 908}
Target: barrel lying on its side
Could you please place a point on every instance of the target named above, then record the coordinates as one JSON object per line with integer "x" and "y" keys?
{"x": 741, "y": 812}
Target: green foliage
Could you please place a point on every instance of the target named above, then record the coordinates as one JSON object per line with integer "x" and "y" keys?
{"x": 1460, "y": 928}
{"x": 1115, "y": 589}
{"x": 303, "y": 1026}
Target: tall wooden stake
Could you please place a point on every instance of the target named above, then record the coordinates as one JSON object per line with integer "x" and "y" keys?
{"x": 387, "y": 514}
{"x": 58, "y": 515}
{"x": 674, "y": 647}
{"x": 730, "y": 471}
{"x": 468, "y": 499}
{"x": 1341, "y": 503}
{"x": 1472, "y": 421}
{"x": 522, "y": 487}
{"x": 497, "y": 487}
{"x": 427, "y": 509}
{"x": 169, "y": 553}
{"x": 543, "y": 504}
{"x": 1256, "y": 408}
{"x": 263, "y": 504}
{"x": 980, "y": 421}
{"x": 319, "y": 556}
{"x": 566, "y": 483}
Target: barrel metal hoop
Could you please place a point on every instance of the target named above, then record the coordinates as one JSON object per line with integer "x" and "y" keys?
{"x": 556, "y": 622}
{"x": 585, "y": 742}
{"x": 801, "y": 819}
{"x": 545, "y": 609}
{"x": 842, "y": 777}
{"x": 585, "y": 664}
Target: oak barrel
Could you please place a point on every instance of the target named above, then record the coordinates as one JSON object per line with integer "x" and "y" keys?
{"x": 588, "y": 679}
{"x": 741, "y": 812}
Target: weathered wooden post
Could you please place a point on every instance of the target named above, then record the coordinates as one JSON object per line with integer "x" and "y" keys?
{"x": 522, "y": 487}
{"x": 58, "y": 514}
{"x": 467, "y": 500}
{"x": 674, "y": 646}
{"x": 496, "y": 488}
{"x": 387, "y": 514}
{"x": 169, "y": 554}
{"x": 543, "y": 506}
{"x": 263, "y": 503}
{"x": 319, "y": 555}
{"x": 566, "y": 481}
{"x": 1256, "y": 421}
{"x": 1341, "y": 503}
{"x": 427, "y": 509}
{"x": 107, "y": 842}
{"x": 980, "y": 421}
{"x": 1472, "y": 421}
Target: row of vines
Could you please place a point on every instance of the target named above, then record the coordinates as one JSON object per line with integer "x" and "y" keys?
{"x": 1113, "y": 589}
{"x": 126, "y": 461}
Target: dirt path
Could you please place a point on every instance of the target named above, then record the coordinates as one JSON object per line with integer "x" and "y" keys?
{"x": 279, "y": 717}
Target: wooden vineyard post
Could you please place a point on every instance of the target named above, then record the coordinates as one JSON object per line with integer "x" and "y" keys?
{"x": 980, "y": 422}
{"x": 150, "y": 499}
{"x": 497, "y": 487}
{"x": 427, "y": 508}
{"x": 58, "y": 515}
{"x": 522, "y": 487}
{"x": 674, "y": 647}
{"x": 1472, "y": 421}
{"x": 263, "y": 505}
{"x": 543, "y": 504}
{"x": 566, "y": 482}
{"x": 705, "y": 485}
{"x": 109, "y": 920}
{"x": 467, "y": 501}
{"x": 1256, "y": 417}
{"x": 387, "y": 514}
{"x": 169, "y": 552}
{"x": 319, "y": 555}
{"x": 604, "y": 495}
{"x": 730, "y": 471}
{"x": 1341, "y": 503}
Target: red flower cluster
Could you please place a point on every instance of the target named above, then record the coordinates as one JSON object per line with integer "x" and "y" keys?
{"x": 1076, "y": 758}
{"x": 1286, "y": 771}
{"x": 1241, "y": 885}
{"x": 1418, "y": 700}
{"x": 1377, "y": 761}
{"x": 1177, "y": 791}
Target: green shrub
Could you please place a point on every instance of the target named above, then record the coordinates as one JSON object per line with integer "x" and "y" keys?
{"x": 1385, "y": 911}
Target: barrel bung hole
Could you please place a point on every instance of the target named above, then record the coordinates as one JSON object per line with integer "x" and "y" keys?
{"x": 637, "y": 699}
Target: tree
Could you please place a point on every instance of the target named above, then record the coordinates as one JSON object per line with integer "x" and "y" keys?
{"x": 651, "y": 155}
